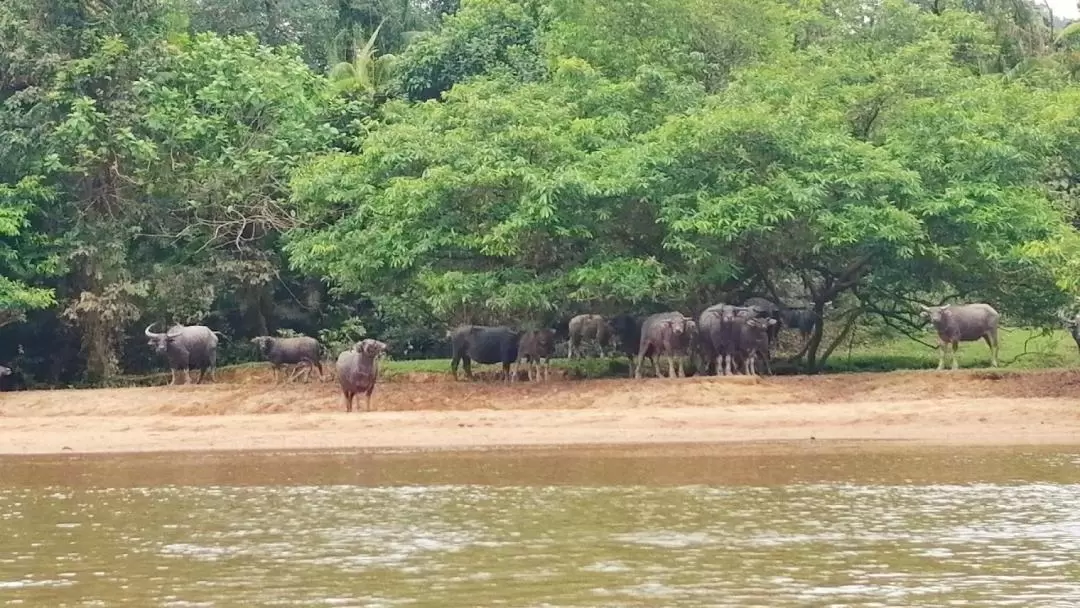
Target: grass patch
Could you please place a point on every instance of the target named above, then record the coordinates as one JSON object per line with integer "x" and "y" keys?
{"x": 1021, "y": 349}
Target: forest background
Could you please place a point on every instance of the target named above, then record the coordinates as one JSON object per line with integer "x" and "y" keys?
{"x": 342, "y": 168}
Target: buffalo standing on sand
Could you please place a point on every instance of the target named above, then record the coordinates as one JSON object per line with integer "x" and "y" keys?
{"x": 483, "y": 344}
{"x": 669, "y": 334}
{"x": 357, "y": 371}
{"x": 535, "y": 348}
{"x": 300, "y": 350}
{"x": 720, "y": 333}
{"x": 588, "y": 327}
{"x": 185, "y": 348}
{"x": 963, "y": 323}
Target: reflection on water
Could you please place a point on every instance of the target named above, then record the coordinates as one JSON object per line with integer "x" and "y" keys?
{"x": 823, "y": 538}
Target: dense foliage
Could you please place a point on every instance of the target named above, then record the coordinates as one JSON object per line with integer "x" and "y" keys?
{"x": 398, "y": 166}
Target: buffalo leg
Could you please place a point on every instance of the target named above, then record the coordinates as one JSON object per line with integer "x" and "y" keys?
{"x": 955, "y": 345}
{"x": 187, "y": 376}
{"x": 517, "y": 366}
{"x": 506, "y": 371}
{"x": 454, "y": 362}
{"x": 348, "y": 400}
{"x": 172, "y": 380}
{"x": 547, "y": 368}
{"x": 367, "y": 398}
{"x": 941, "y": 355}
{"x": 637, "y": 368}
{"x": 991, "y": 341}
{"x": 467, "y": 364}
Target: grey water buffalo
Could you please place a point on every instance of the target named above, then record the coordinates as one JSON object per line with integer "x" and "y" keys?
{"x": 963, "y": 323}
{"x": 483, "y": 344}
{"x": 186, "y": 347}
{"x": 627, "y": 330}
{"x": 719, "y": 326}
{"x": 669, "y": 334}
{"x": 767, "y": 309}
{"x": 588, "y": 327}
{"x": 358, "y": 370}
{"x": 754, "y": 342}
{"x": 300, "y": 350}
{"x": 1073, "y": 325}
{"x": 535, "y": 347}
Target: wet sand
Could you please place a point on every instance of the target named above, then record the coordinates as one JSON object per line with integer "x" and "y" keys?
{"x": 852, "y": 411}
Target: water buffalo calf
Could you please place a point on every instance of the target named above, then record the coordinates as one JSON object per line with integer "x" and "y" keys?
{"x": 186, "y": 347}
{"x": 963, "y": 323}
{"x": 588, "y": 327}
{"x": 754, "y": 342}
{"x": 300, "y": 350}
{"x": 357, "y": 371}
{"x": 483, "y": 344}
{"x": 535, "y": 348}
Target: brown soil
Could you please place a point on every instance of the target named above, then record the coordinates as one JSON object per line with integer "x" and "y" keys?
{"x": 966, "y": 407}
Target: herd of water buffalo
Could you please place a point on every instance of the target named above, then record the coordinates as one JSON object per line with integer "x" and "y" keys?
{"x": 724, "y": 339}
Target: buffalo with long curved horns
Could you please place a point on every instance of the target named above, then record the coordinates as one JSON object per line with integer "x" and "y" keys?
{"x": 186, "y": 347}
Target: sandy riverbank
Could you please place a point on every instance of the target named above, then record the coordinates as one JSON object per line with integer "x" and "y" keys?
{"x": 916, "y": 408}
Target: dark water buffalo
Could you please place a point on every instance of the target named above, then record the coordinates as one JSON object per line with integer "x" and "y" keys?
{"x": 357, "y": 371}
{"x": 1073, "y": 325}
{"x": 665, "y": 333}
{"x": 300, "y": 350}
{"x": 769, "y": 310}
{"x": 802, "y": 319}
{"x": 535, "y": 348}
{"x": 186, "y": 347}
{"x": 963, "y": 323}
{"x": 627, "y": 330}
{"x": 719, "y": 326}
{"x": 483, "y": 344}
{"x": 588, "y": 327}
{"x": 754, "y": 342}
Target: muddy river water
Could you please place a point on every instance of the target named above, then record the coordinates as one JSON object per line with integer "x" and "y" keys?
{"x": 674, "y": 526}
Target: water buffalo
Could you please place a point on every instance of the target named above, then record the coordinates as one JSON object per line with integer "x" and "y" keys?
{"x": 300, "y": 350}
{"x": 963, "y": 323}
{"x": 357, "y": 371}
{"x": 627, "y": 329}
{"x": 665, "y": 333}
{"x": 1073, "y": 325}
{"x": 802, "y": 319}
{"x": 535, "y": 348}
{"x": 185, "y": 348}
{"x": 754, "y": 342}
{"x": 719, "y": 326}
{"x": 767, "y": 309}
{"x": 588, "y": 327}
{"x": 483, "y": 344}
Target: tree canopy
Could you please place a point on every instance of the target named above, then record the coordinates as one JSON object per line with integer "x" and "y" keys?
{"x": 401, "y": 166}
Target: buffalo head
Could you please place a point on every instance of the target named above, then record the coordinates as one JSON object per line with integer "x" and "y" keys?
{"x": 370, "y": 348}
{"x": 262, "y": 343}
{"x": 160, "y": 341}
{"x": 936, "y": 314}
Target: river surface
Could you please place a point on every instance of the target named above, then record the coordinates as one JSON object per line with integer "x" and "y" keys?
{"x": 675, "y": 526}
